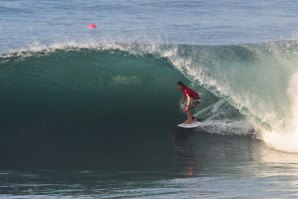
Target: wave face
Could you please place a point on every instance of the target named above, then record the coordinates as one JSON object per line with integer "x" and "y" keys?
{"x": 85, "y": 87}
{"x": 86, "y": 90}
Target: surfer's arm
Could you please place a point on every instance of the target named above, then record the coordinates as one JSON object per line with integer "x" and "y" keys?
{"x": 182, "y": 100}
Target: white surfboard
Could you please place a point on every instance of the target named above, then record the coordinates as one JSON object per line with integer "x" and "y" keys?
{"x": 192, "y": 125}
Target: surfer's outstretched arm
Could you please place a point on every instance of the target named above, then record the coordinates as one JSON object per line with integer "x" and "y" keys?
{"x": 182, "y": 100}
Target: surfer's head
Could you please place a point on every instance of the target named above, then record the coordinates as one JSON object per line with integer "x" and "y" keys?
{"x": 180, "y": 85}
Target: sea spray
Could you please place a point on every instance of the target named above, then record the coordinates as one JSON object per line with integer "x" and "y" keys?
{"x": 286, "y": 139}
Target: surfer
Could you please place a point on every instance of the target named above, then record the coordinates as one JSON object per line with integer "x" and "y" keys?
{"x": 193, "y": 100}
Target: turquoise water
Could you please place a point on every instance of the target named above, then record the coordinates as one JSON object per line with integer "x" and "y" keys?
{"x": 93, "y": 113}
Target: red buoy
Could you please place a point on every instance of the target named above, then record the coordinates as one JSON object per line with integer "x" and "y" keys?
{"x": 92, "y": 26}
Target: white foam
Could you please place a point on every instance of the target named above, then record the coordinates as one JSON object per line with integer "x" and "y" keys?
{"x": 227, "y": 127}
{"x": 282, "y": 141}
{"x": 287, "y": 139}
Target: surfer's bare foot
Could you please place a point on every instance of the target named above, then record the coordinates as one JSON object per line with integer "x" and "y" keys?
{"x": 188, "y": 122}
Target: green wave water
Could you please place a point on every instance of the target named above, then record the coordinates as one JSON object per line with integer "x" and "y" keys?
{"x": 76, "y": 89}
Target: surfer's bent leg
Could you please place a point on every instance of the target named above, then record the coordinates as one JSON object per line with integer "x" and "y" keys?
{"x": 194, "y": 104}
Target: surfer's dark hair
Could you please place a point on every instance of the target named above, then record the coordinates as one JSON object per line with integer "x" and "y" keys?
{"x": 181, "y": 84}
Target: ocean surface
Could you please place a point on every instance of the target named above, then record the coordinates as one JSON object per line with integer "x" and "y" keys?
{"x": 93, "y": 113}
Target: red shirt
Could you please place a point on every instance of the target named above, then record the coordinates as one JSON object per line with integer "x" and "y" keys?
{"x": 191, "y": 93}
